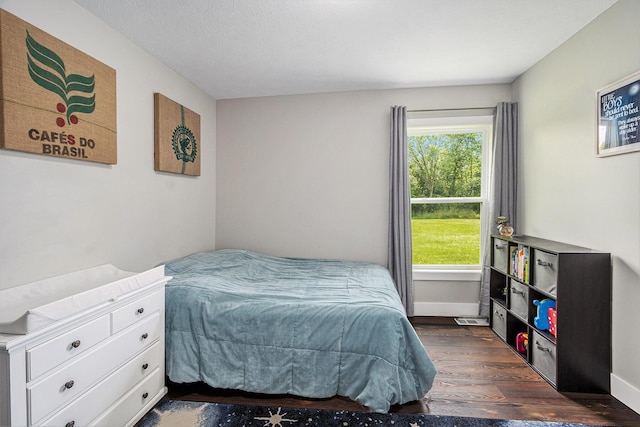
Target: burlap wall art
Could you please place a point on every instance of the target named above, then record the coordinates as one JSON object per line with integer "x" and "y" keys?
{"x": 54, "y": 99}
{"x": 177, "y": 137}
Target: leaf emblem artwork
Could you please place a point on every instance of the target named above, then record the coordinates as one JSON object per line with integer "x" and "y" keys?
{"x": 184, "y": 145}
{"x": 177, "y": 137}
{"x": 47, "y": 69}
{"x": 56, "y": 100}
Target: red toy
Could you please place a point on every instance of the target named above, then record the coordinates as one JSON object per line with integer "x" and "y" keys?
{"x": 522, "y": 342}
{"x": 552, "y": 321}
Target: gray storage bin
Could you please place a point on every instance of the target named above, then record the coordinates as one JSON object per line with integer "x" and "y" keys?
{"x": 545, "y": 271}
{"x": 519, "y": 299}
{"x": 499, "y": 320}
{"x": 500, "y": 254}
{"x": 543, "y": 356}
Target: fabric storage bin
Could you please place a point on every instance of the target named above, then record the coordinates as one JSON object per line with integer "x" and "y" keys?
{"x": 545, "y": 271}
{"x": 499, "y": 320}
{"x": 500, "y": 254}
{"x": 543, "y": 356}
{"x": 519, "y": 299}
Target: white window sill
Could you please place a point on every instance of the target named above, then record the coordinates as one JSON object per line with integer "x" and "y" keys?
{"x": 443, "y": 273}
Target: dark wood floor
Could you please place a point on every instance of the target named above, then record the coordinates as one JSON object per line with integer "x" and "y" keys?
{"x": 478, "y": 376}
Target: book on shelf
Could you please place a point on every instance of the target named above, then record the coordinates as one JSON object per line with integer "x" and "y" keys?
{"x": 520, "y": 262}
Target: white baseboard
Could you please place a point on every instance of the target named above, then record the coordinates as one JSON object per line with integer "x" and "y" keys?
{"x": 445, "y": 309}
{"x": 625, "y": 393}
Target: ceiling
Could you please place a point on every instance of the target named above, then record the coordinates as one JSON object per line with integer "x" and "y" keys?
{"x": 249, "y": 48}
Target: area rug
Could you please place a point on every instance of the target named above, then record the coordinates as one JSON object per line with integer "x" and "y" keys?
{"x": 172, "y": 413}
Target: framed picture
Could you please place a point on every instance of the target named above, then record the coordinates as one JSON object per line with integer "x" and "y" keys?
{"x": 618, "y": 106}
{"x": 177, "y": 137}
{"x": 56, "y": 100}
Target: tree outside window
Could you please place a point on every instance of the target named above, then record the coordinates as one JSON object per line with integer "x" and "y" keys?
{"x": 445, "y": 167}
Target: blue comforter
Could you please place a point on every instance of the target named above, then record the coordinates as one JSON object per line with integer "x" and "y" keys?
{"x": 307, "y": 327}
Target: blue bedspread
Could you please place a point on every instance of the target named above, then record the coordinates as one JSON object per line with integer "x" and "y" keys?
{"x": 306, "y": 327}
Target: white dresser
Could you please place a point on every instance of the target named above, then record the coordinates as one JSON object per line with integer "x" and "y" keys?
{"x": 97, "y": 358}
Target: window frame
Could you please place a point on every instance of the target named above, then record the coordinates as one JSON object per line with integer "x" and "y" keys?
{"x": 483, "y": 124}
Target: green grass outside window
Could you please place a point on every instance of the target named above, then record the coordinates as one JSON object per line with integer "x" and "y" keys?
{"x": 446, "y": 241}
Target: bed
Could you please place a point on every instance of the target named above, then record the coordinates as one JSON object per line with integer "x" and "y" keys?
{"x": 307, "y": 327}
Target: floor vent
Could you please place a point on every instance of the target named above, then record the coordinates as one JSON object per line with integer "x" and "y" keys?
{"x": 472, "y": 321}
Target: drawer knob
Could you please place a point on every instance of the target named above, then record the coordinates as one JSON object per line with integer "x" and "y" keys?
{"x": 70, "y": 424}
{"x": 75, "y": 344}
{"x": 68, "y": 384}
{"x": 140, "y": 310}
{"x": 542, "y": 263}
{"x": 500, "y": 248}
{"x": 145, "y": 336}
{"x": 145, "y": 395}
{"x": 145, "y": 366}
{"x": 498, "y": 313}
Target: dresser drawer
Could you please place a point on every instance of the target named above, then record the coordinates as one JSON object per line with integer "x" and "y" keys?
{"x": 519, "y": 299}
{"x": 66, "y": 384}
{"x": 499, "y": 320}
{"x": 120, "y": 414}
{"x": 97, "y": 400}
{"x": 500, "y": 255}
{"x": 545, "y": 271}
{"x": 543, "y": 356}
{"x": 140, "y": 309}
{"x": 52, "y": 353}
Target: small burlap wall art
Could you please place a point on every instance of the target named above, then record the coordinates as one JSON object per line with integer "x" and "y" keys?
{"x": 55, "y": 100}
{"x": 177, "y": 137}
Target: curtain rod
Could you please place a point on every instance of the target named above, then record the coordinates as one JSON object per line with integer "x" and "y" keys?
{"x": 450, "y": 109}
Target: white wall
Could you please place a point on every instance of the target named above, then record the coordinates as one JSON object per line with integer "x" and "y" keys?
{"x": 59, "y": 215}
{"x": 568, "y": 194}
{"x": 448, "y": 297}
{"x": 307, "y": 176}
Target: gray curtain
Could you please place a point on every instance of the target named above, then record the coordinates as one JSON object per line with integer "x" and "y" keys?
{"x": 399, "y": 255}
{"x": 504, "y": 185}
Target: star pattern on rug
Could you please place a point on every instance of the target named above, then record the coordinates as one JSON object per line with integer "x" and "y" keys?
{"x": 275, "y": 420}
{"x": 172, "y": 413}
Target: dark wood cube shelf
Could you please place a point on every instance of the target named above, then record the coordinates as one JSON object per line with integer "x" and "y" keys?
{"x": 577, "y": 280}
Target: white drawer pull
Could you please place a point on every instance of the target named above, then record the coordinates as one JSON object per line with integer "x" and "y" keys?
{"x": 70, "y": 424}
{"x": 498, "y": 313}
{"x": 500, "y": 248}
{"x": 544, "y": 263}
{"x": 75, "y": 344}
{"x": 145, "y": 336}
{"x": 140, "y": 310}
{"x": 68, "y": 384}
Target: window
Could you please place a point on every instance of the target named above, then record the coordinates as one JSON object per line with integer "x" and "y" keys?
{"x": 447, "y": 157}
